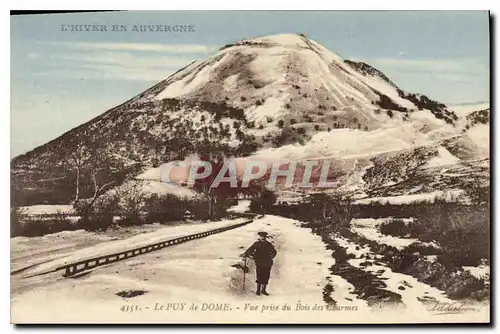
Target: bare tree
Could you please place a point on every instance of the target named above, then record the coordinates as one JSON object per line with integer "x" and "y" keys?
{"x": 76, "y": 163}
{"x": 98, "y": 169}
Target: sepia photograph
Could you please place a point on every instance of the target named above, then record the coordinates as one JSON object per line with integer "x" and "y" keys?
{"x": 250, "y": 167}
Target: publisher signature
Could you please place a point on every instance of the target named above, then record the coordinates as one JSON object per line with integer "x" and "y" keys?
{"x": 451, "y": 308}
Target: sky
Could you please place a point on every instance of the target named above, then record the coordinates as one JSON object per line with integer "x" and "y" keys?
{"x": 60, "y": 79}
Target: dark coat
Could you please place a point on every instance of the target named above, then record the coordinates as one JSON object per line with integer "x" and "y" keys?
{"x": 263, "y": 253}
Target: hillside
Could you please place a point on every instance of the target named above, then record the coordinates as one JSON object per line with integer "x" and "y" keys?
{"x": 252, "y": 96}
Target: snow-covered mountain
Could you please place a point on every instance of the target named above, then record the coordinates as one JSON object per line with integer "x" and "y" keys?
{"x": 464, "y": 109}
{"x": 281, "y": 97}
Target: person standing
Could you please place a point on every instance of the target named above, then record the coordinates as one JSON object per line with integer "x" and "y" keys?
{"x": 263, "y": 253}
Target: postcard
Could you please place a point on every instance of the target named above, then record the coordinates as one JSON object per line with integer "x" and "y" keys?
{"x": 250, "y": 167}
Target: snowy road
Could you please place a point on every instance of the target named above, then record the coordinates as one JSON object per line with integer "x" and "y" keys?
{"x": 202, "y": 272}
{"x": 196, "y": 272}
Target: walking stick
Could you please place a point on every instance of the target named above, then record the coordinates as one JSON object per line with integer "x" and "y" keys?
{"x": 244, "y": 272}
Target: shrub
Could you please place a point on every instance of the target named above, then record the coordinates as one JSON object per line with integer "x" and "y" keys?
{"x": 243, "y": 99}
{"x": 287, "y": 136}
{"x": 281, "y": 124}
{"x": 35, "y": 227}
{"x": 199, "y": 209}
{"x": 387, "y": 103}
{"x": 164, "y": 208}
{"x": 478, "y": 193}
{"x": 240, "y": 135}
{"x": 99, "y": 215}
{"x": 61, "y": 220}
{"x": 17, "y": 216}
{"x": 131, "y": 203}
{"x": 466, "y": 247}
{"x": 263, "y": 201}
{"x": 396, "y": 228}
{"x": 390, "y": 113}
{"x": 461, "y": 230}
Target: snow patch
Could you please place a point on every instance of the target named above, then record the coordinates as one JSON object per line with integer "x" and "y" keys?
{"x": 480, "y": 272}
{"x": 47, "y": 209}
{"x": 368, "y": 228}
{"x": 451, "y": 196}
{"x": 230, "y": 82}
{"x": 189, "y": 83}
{"x": 443, "y": 158}
{"x": 241, "y": 207}
{"x": 480, "y": 135}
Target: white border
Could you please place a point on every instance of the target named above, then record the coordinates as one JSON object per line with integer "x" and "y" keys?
{"x": 192, "y": 5}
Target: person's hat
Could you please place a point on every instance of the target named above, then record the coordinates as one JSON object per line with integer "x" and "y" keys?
{"x": 262, "y": 234}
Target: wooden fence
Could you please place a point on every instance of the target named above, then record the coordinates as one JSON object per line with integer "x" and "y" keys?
{"x": 81, "y": 266}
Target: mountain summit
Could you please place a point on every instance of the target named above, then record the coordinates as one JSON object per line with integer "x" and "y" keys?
{"x": 294, "y": 79}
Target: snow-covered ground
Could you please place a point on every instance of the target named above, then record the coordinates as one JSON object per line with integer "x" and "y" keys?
{"x": 417, "y": 296}
{"x": 202, "y": 272}
{"x": 443, "y": 158}
{"x": 135, "y": 241}
{"x": 150, "y": 182}
{"x": 241, "y": 207}
{"x": 199, "y": 271}
{"x": 28, "y": 251}
{"x": 480, "y": 272}
{"x": 447, "y": 195}
{"x": 369, "y": 229}
{"x": 480, "y": 135}
{"x": 65, "y": 246}
{"x": 47, "y": 209}
{"x": 464, "y": 109}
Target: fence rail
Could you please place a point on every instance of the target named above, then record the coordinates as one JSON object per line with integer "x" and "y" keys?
{"x": 81, "y": 266}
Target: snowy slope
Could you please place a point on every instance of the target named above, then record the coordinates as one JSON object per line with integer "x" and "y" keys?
{"x": 276, "y": 98}
{"x": 287, "y": 77}
{"x": 464, "y": 109}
